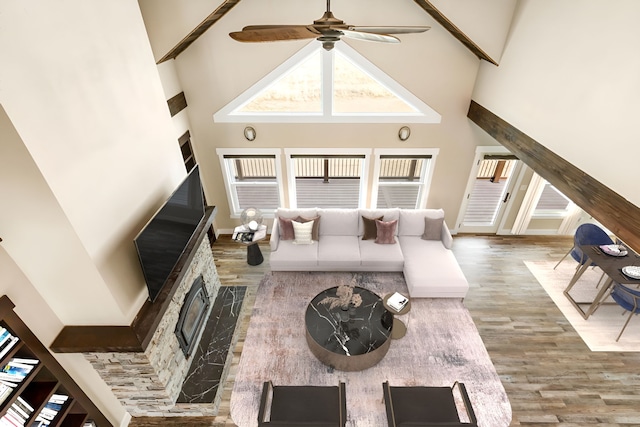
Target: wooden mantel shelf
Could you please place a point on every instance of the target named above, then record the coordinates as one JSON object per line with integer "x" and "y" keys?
{"x": 135, "y": 337}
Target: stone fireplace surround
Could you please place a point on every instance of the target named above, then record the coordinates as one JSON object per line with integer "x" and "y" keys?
{"x": 143, "y": 363}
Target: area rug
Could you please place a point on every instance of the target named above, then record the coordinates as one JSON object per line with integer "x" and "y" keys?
{"x": 600, "y": 330}
{"x": 442, "y": 345}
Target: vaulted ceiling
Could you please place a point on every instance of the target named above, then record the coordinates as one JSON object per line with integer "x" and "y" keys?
{"x": 226, "y": 5}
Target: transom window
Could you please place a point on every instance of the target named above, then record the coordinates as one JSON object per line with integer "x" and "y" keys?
{"x": 316, "y": 85}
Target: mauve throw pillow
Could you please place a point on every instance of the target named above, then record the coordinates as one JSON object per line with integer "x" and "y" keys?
{"x": 370, "y": 230}
{"x": 432, "y": 229}
{"x": 386, "y": 232}
{"x": 316, "y": 225}
{"x": 286, "y": 229}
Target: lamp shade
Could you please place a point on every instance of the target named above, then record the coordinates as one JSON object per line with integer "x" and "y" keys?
{"x": 251, "y": 218}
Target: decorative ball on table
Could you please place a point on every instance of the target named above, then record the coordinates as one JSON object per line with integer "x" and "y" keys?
{"x": 251, "y": 218}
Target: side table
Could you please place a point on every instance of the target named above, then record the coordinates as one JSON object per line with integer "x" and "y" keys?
{"x": 254, "y": 254}
{"x": 399, "y": 328}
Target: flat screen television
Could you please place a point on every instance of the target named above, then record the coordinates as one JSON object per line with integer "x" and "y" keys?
{"x": 164, "y": 238}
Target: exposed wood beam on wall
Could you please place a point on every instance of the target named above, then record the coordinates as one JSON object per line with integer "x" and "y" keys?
{"x": 455, "y": 31}
{"x": 199, "y": 30}
{"x": 611, "y": 209}
{"x": 177, "y": 103}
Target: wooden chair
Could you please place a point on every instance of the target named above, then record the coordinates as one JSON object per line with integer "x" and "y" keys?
{"x": 299, "y": 406}
{"x": 426, "y": 406}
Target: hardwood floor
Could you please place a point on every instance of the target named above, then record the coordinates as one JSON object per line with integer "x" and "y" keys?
{"x": 550, "y": 376}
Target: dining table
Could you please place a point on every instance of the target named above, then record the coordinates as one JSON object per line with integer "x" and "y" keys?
{"x": 611, "y": 265}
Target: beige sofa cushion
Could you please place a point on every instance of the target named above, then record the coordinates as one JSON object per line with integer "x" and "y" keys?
{"x": 412, "y": 220}
{"x": 338, "y": 222}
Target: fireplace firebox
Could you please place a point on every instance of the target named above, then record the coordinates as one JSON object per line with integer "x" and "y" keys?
{"x": 192, "y": 316}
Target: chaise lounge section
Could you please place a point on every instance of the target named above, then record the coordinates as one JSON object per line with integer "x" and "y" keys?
{"x": 420, "y": 246}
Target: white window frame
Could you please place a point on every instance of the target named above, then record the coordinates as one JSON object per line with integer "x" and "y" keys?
{"x": 290, "y": 152}
{"x": 425, "y": 181}
{"x": 229, "y": 113}
{"x": 551, "y": 213}
{"x": 232, "y": 197}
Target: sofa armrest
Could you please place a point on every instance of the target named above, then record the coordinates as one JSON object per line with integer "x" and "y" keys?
{"x": 447, "y": 240}
{"x": 274, "y": 240}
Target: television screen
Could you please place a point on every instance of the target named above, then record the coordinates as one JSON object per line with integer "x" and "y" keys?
{"x": 164, "y": 238}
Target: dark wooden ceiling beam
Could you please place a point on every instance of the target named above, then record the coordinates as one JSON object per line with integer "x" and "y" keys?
{"x": 615, "y": 212}
{"x": 199, "y": 30}
{"x": 455, "y": 31}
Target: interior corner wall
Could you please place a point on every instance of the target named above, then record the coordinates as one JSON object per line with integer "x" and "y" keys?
{"x": 568, "y": 78}
{"x": 82, "y": 90}
{"x": 442, "y": 75}
{"x": 33, "y": 309}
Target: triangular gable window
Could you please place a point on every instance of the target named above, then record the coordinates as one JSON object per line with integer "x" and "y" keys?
{"x": 319, "y": 86}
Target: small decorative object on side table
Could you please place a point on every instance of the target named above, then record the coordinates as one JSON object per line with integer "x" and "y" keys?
{"x": 398, "y": 304}
{"x": 246, "y": 236}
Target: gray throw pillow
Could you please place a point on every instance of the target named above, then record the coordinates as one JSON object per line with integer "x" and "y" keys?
{"x": 370, "y": 230}
{"x": 432, "y": 229}
{"x": 315, "y": 235}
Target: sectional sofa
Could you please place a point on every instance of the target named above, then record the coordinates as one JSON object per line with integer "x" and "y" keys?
{"x": 419, "y": 246}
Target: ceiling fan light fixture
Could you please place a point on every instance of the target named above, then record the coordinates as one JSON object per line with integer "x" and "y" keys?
{"x": 328, "y": 27}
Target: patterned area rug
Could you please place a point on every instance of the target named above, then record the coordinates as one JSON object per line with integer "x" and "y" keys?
{"x": 600, "y": 330}
{"x": 442, "y": 345}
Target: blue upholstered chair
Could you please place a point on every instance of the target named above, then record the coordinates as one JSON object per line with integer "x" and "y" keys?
{"x": 627, "y": 299}
{"x": 586, "y": 234}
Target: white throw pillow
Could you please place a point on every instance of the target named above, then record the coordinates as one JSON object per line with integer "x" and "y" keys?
{"x": 302, "y": 232}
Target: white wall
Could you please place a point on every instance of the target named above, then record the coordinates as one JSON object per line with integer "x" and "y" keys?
{"x": 569, "y": 79}
{"x": 433, "y": 66}
{"x": 485, "y": 22}
{"x": 35, "y": 312}
{"x": 81, "y": 88}
{"x": 169, "y": 21}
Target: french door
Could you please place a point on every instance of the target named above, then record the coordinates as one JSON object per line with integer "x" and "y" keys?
{"x": 488, "y": 191}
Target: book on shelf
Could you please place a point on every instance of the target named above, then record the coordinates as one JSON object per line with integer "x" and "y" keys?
{"x": 8, "y": 342}
{"x": 397, "y": 301}
{"x": 51, "y": 409}
{"x": 5, "y": 391}
{"x": 15, "y": 372}
{"x": 4, "y": 336}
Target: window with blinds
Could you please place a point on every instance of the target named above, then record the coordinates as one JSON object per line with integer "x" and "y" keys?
{"x": 252, "y": 181}
{"x": 552, "y": 203}
{"x": 402, "y": 181}
{"x": 327, "y": 181}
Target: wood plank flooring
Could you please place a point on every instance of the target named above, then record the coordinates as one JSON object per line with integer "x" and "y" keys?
{"x": 550, "y": 376}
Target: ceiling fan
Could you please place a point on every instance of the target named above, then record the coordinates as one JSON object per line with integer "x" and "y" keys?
{"x": 327, "y": 29}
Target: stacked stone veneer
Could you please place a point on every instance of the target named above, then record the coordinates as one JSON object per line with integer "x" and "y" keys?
{"x": 149, "y": 383}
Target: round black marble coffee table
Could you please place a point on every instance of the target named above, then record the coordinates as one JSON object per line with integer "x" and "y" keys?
{"x": 349, "y": 344}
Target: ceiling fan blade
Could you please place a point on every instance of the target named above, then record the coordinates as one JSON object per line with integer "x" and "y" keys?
{"x": 370, "y": 36}
{"x": 266, "y": 33}
{"x": 390, "y": 30}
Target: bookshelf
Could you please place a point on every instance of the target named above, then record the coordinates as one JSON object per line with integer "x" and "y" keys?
{"x": 35, "y": 390}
